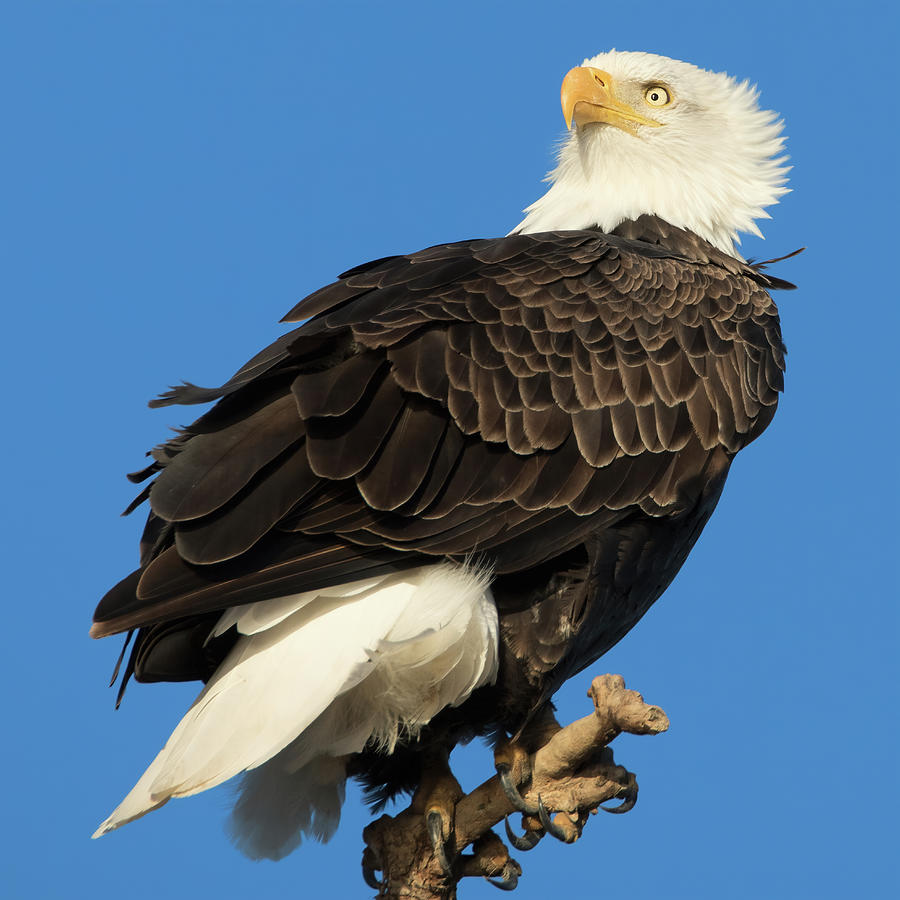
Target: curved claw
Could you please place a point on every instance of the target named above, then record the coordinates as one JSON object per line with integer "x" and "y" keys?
{"x": 435, "y": 825}
{"x": 512, "y": 792}
{"x": 509, "y": 881}
{"x": 525, "y": 842}
{"x": 628, "y": 802}
{"x": 371, "y": 879}
{"x": 549, "y": 825}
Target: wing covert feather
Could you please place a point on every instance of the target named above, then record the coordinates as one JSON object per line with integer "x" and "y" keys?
{"x": 460, "y": 399}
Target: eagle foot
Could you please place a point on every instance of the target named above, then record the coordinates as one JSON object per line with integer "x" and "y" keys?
{"x": 491, "y": 860}
{"x": 509, "y": 879}
{"x": 434, "y": 824}
{"x": 565, "y": 829}
{"x": 519, "y": 803}
{"x": 409, "y": 847}
{"x": 436, "y": 799}
{"x": 514, "y": 757}
{"x": 371, "y": 865}
{"x": 445, "y": 836}
{"x": 628, "y": 795}
{"x": 524, "y": 842}
{"x": 559, "y": 831}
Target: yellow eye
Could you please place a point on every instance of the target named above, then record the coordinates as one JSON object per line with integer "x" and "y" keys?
{"x": 657, "y": 96}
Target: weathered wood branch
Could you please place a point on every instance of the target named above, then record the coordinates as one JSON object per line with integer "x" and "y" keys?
{"x": 573, "y": 773}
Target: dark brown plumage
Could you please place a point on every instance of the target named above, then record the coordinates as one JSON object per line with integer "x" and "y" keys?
{"x": 565, "y": 406}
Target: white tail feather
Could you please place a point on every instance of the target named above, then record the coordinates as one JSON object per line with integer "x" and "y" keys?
{"x": 277, "y": 806}
{"x": 315, "y": 677}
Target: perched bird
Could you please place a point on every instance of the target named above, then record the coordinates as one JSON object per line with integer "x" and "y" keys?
{"x": 468, "y": 473}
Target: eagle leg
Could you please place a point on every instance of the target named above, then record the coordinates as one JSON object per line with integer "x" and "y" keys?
{"x": 436, "y": 798}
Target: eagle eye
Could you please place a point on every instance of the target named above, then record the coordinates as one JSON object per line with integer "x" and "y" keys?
{"x": 657, "y": 96}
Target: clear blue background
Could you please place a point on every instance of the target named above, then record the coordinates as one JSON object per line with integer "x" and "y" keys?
{"x": 178, "y": 174}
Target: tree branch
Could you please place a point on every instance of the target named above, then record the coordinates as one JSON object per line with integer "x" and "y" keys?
{"x": 573, "y": 773}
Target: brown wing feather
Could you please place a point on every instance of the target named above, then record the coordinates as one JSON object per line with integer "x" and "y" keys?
{"x": 508, "y": 396}
{"x": 236, "y": 527}
{"x": 212, "y": 467}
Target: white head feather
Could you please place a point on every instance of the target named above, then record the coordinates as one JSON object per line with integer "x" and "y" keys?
{"x": 711, "y": 169}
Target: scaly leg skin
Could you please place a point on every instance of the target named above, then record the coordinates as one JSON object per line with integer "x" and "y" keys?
{"x": 436, "y": 798}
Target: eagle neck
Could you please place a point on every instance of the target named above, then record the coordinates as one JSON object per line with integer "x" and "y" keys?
{"x": 604, "y": 178}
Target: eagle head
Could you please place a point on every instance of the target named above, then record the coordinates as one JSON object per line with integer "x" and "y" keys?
{"x": 651, "y": 135}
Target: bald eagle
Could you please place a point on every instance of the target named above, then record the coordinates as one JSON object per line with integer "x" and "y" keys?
{"x": 468, "y": 473}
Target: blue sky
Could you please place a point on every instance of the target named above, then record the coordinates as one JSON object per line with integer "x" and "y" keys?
{"x": 178, "y": 174}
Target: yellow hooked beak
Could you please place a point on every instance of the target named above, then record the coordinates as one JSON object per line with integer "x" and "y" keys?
{"x": 588, "y": 95}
